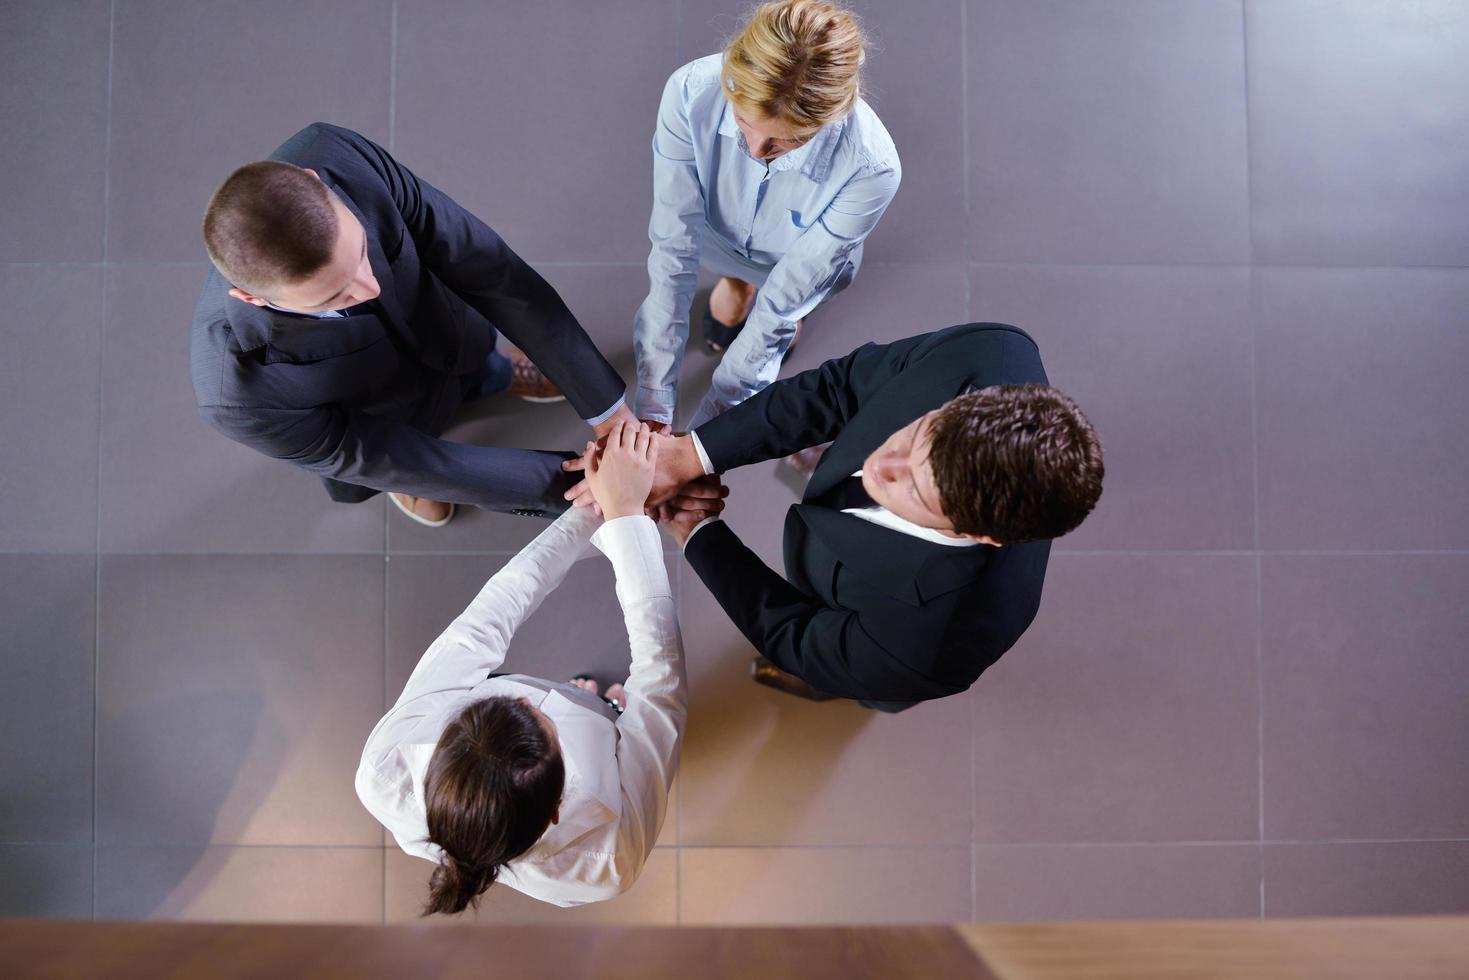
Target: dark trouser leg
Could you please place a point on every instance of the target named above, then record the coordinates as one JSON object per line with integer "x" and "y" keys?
{"x": 347, "y": 493}
{"x": 495, "y": 378}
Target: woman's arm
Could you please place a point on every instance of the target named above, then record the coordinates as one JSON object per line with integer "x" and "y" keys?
{"x": 475, "y": 643}
{"x": 676, "y": 228}
{"x": 650, "y": 731}
{"x": 803, "y": 277}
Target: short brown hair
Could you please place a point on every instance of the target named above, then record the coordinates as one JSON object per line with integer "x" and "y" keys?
{"x": 492, "y": 786}
{"x": 270, "y": 224}
{"x": 1015, "y": 462}
{"x": 798, "y": 61}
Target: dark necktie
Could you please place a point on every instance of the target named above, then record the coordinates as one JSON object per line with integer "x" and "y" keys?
{"x": 847, "y": 495}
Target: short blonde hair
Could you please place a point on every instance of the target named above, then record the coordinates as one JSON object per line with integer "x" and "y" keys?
{"x": 797, "y": 61}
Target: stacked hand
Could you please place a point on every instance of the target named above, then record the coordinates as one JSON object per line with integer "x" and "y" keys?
{"x": 679, "y": 493}
{"x": 620, "y": 473}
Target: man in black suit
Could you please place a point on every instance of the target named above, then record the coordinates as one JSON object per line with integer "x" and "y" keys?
{"x": 916, "y": 556}
{"x": 353, "y": 308}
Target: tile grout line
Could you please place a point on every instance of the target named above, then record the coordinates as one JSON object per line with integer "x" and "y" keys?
{"x": 393, "y": 80}
{"x": 1244, "y": 24}
{"x": 1260, "y": 721}
{"x": 1060, "y": 552}
{"x": 383, "y": 703}
{"x": 678, "y": 815}
{"x": 964, "y": 156}
{"x": 808, "y": 846}
{"x": 874, "y": 262}
{"x": 1254, "y": 313}
{"x": 968, "y": 315}
{"x": 101, "y": 339}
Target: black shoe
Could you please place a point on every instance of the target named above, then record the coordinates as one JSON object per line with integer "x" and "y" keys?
{"x": 767, "y": 673}
{"x": 719, "y": 333}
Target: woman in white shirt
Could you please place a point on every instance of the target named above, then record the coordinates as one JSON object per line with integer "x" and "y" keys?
{"x": 770, "y": 170}
{"x": 538, "y": 785}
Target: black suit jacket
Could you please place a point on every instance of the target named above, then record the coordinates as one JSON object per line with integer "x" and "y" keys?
{"x": 869, "y": 612}
{"x": 363, "y": 398}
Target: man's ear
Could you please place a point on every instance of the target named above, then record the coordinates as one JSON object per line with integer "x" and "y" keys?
{"x": 245, "y": 297}
{"x": 312, "y": 173}
{"x": 982, "y": 539}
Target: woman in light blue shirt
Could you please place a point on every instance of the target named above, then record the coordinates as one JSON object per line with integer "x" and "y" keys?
{"x": 769, "y": 170}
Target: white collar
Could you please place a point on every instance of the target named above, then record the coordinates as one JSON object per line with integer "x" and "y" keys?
{"x": 790, "y": 160}
{"x": 886, "y": 518}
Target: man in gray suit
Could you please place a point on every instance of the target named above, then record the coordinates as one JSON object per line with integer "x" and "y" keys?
{"x": 353, "y": 309}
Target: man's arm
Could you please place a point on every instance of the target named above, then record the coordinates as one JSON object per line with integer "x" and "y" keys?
{"x": 804, "y": 410}
{"x": 387, "y": 455}
{"x": 471, "y": 259}
{"x": 812, "y": 407}
{"x": 828, "y": 648}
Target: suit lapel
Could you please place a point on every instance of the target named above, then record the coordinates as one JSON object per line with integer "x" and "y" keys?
{"x": 917, "y": 390}
{"x": 907, "y": 568}
{"x": 304, "y": 339}
{"x": 388, "y": 299}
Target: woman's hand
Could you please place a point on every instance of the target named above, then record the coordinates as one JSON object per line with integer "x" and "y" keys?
{"x": 621, "y": 474}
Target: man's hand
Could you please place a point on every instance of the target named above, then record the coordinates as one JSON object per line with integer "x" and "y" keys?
{"x": 696, "y": 500}
{"x": 680, "y": 530}
{"x": 621, "y": 473}
{"x": 702, "y": 498}
{"x": 623, "y": 414}
{"x": 677, "y": 465}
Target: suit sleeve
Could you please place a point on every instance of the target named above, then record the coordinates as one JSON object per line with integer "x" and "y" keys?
{"x": 387, "y": 455}
{"x": 471, "y": 259}
{"x": 812, "y": 407}
{"x": 804, "y": 410}
{"x": 828, "y": 648}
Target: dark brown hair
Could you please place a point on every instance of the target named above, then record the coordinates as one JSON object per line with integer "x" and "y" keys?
{"x": 492, "y": 786}
{"x": 270, "y": 224}
{"x": 1015, "y": 462}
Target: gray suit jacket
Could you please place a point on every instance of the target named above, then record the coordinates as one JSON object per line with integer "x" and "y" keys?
{"x": 362, "y": 399}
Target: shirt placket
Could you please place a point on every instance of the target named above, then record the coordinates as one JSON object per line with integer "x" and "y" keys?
{"x": 753, "y": 196}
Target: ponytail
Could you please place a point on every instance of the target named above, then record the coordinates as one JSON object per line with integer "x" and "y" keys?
{"x": 492, "y": 786}
{"x": 455, "y": 887}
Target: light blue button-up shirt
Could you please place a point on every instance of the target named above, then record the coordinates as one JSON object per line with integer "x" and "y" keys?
{"x": 791, "y": 225}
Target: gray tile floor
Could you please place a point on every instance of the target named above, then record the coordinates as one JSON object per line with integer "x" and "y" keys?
{"x": 1236, "y": 228}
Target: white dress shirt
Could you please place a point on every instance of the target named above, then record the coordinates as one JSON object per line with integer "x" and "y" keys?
{"x": 618, "y": 772}
{"x": 791, "y": 226}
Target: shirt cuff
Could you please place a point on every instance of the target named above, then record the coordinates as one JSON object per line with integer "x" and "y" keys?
{"x": 598, "y": 420}
{"x": 703, "y": 461}
{"x": 656, "y": 404}
{"x": 707, "y": 520}
{"x": 634, "y": 547}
